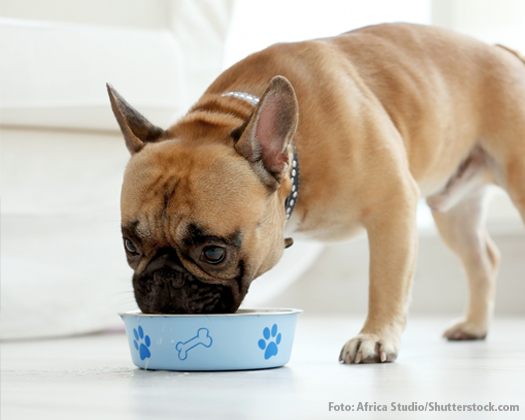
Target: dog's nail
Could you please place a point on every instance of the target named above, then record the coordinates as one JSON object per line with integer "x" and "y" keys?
{"x": 288, "y": 242}
{"x": 348, "y": 359}
{"x": 383, "y": 356}
{"x": 358, "y": 358}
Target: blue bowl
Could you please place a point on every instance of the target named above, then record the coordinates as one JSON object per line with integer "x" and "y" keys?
{"x": 247, "y": 339}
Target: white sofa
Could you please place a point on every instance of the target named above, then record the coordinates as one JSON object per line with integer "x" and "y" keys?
{"x": 63, "y": 268}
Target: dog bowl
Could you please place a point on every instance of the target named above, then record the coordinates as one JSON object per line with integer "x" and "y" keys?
{"x": 247, "y": 339}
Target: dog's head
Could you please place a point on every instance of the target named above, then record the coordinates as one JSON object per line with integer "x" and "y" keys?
{"x": 203, "y": 202}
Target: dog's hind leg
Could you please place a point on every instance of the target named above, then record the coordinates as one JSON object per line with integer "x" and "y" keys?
{"x": 506, "y": 128}
{"x": 462, "y": 228}
{"x": 515, "y": 182}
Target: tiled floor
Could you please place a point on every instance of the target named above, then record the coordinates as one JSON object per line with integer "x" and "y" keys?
{"x": 91, "y": 377}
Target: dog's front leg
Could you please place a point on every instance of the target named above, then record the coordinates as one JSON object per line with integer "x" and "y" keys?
{"x": 392, "y": 236}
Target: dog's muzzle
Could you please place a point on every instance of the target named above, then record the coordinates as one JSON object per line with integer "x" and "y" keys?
{"x": 166, "y": 287}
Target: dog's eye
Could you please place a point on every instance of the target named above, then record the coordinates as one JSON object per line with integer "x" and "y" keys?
{"x": 130, "y": 246}
{"x": 213, "y": 254}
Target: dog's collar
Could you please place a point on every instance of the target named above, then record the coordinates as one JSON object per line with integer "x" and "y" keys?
{"x": 291, "y": 200}
{"x": 247, "y": 97}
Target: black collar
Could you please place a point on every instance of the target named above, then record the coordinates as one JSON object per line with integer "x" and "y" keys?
{"x": 291, "y": 200}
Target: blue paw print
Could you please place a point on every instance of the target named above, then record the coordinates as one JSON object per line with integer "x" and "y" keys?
{"x": 142, "y": 347}
{"x": 271, "y": 347}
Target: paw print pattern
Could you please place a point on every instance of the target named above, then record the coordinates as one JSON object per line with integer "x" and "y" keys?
{"x": 270, "y": 347}
{"x": 142, "y": 343}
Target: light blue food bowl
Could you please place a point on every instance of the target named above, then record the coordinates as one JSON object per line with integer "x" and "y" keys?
{"x": 247, "y": 339}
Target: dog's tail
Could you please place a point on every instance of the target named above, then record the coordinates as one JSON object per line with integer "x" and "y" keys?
{"x": 516, "y": 53}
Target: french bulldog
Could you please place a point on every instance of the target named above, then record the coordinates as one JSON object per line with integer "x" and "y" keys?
{"x": 351, "y": 131}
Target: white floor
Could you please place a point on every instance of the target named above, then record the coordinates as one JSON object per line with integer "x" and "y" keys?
{"x": 92, "y": 377}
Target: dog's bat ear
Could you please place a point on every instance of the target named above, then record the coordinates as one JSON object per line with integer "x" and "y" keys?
{"x": 136, "y": 129}
{"x": 266, "y": 137}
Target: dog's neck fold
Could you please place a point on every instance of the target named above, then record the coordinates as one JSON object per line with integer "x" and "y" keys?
{"x": 291, "y": 200}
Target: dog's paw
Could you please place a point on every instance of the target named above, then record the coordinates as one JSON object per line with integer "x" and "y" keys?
{"x": 369, "y": 348}
{"x": 466, "y": 330}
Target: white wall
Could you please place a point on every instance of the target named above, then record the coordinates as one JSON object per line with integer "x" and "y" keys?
{"x": 501, "y": 21}
{"x": 258, "y": 24}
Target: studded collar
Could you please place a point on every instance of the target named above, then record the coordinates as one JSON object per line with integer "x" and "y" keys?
{"x": 291, "y": 200}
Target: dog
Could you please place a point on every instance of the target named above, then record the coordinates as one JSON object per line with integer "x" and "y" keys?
{"x": 324, "y": 139}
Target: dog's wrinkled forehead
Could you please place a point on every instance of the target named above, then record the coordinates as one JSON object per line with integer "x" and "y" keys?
{"x": 192, "y": 234}
{"x": 195, "y": 235}
{"x": 167, "y": 186}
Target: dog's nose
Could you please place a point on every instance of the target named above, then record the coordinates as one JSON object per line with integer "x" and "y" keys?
{"x": 166, "y": 275}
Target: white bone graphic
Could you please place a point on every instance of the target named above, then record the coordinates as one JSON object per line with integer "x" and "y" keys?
{"x": 202, "y": 337}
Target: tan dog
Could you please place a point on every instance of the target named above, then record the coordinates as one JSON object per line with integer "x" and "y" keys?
{"x": 380, "y": 117}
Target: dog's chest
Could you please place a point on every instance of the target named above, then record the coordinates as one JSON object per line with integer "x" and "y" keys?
{"x": 297, "y": 230}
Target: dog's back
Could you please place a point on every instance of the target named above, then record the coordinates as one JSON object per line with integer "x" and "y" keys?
{"x": 443, "y": 91}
